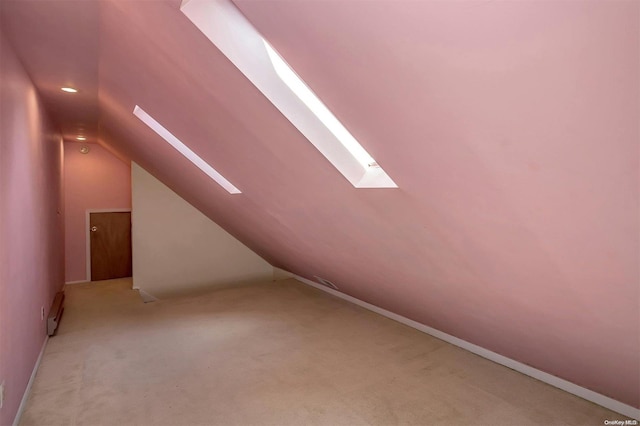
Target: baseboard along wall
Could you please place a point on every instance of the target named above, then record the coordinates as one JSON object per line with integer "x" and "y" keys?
{"x": 27, "y": 391}
{"x": 550, "y": 379}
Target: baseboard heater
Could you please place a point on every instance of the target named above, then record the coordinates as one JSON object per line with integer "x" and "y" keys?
{"x": 55, "y": 313}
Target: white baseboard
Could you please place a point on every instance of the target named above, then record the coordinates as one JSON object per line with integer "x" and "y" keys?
{"x": 550, "y": 379}
{"x": 27, "y": 391}
{"x": 76, "y": 282}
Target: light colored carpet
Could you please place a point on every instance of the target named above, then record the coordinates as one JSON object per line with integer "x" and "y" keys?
{"x": 271, "y": 354}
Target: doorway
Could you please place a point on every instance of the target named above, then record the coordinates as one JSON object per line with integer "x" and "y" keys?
{"x": 110, "y": 245}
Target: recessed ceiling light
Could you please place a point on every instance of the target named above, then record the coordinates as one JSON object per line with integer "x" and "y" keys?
{"x": 184, "y": 150}
{"x": 69, "y": 90}
{"x": 81, "y": 138}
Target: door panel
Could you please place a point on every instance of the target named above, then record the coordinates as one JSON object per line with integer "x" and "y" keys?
{"x": 110, "y": 237}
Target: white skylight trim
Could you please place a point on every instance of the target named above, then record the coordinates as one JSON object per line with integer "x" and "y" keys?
{"x": 302, "y": 91}
{"x": 184, "y": 150}
{"x": 227, "y": 28}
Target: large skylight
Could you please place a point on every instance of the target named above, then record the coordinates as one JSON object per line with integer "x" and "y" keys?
{"x": 184, "y": 150}
{"x": 302, "y": 91}
{"x": 227, "y": 28}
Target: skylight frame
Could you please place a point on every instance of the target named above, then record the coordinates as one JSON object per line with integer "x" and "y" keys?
{"x": 228, "y": 29}
{"x": 183, "y": 149}
{"x": 319, "y": 109}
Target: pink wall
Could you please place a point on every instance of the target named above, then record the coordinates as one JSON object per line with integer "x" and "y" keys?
{"x": 97, "y": 180}
{"x": 510, "y": 127}
{"x": 31, "y": 227}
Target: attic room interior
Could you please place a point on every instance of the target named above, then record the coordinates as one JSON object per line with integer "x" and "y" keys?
{"x": 285, "y": 212}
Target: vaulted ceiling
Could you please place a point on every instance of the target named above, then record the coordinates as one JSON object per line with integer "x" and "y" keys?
{"x": 511, "y": 129}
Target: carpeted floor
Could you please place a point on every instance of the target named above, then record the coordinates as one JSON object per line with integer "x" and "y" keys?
{"x": 271, "y": 354}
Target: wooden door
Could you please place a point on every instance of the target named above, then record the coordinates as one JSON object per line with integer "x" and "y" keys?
{"x": 110, "y": 245}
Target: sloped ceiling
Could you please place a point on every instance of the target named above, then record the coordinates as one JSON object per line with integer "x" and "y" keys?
{"x": 511, "y": 129}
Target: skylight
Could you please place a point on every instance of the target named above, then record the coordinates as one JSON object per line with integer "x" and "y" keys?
{"x": 184, "y": 150}
{"x": 295, "y": 83}
{"x": 227, "y": 28}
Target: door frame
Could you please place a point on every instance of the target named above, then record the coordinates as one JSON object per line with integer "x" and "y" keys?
{"x": 88, "y": 235}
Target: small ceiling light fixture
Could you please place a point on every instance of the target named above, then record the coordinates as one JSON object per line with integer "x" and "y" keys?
{"x": 84, "y": 149}
{"x": 69, "y": 90}
{"x": 81, "y": 138}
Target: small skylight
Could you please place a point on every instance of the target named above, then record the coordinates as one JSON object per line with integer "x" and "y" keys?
{"x": 227, "y": 28}
{"x": 184, "y": 150}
